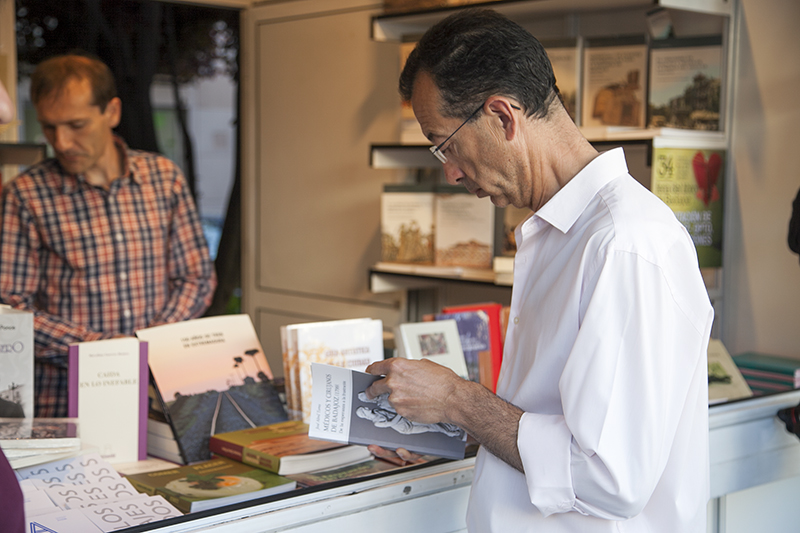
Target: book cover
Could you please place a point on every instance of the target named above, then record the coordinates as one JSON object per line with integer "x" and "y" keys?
{"x": 407, "y": 224}
{"x": 353, "y": 343}
{"x": 437, "y": 341}
{"x": 41, "y": 433}
{"x": 69, "y": 521}
{"x": 564, "y": 57}
{"x": 685, "y": 89}
{"x": 211, "y": 377}
{"x": 79, "y": 469}
{"x": 353, "y": 471}
{"x": 107, "y": 386}
{"x": 16, "y": 360}
{"x": 285, "y": 448}
{"x": 725, "y": 382}
{"x": 464, "y": 229}
{"x": 130, "y": 513}
{"x": 613, "y": 82}
{"x": 770, "y": 363}
{"x": 473, "y": 331}
{"x": 210, "y": 484}
{"x": 493, "y": 310}
{"x": 291, "y": 388}
{"x": 341, "y": 412}
{"x": 689, "y": 178}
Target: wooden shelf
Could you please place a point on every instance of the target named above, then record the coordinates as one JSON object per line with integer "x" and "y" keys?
{"x": 22, "y": 153}
{"x": 399, "y": 26}
{"x": 390, "y": 277}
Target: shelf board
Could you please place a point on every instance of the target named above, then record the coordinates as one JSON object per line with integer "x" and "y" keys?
{"x": 394, "y": 156}
{"x": 390, "y": 277}
{"x": 22, "y": 153}
{"x": 397, "y": 26}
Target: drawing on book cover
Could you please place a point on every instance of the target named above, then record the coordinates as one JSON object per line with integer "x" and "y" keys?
{"x": 212, "y": 377}
{"x": 383, "y": 415}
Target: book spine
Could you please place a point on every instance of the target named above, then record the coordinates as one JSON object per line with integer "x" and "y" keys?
{"x": 777, "y": 377}
{"x": 261, "y": 460}
{"x": 226, "y": 449}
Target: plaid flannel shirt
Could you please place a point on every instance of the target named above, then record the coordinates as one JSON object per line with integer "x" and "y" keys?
{"x": 94, "y": 263}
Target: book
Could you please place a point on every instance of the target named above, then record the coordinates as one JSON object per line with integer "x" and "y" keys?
{"x": 613, "y": 82}
{"x": 16, "y": 360}
{"x": 688, "y": 176}
{"x": 496, "y": 334}
{"x": 73, "y": 496}
{"x": 285, "y": 449}
{"x": 351, "y": 343}
{"x": 407, "y": 224}
{"x": 69, "y": 521}
{"x": 210, "y": 376}
{"x": 107, "y": 384}
{"x": 210, "y": 484}
{"x": 464, "y": 228}
{"x": 473, "y": 332}
{"x": 437, "y": 341}
{"x": 358, "y": 470}
{"x": 341, "y": 412}
{"x": 131, "y": 512}
{"x": 725, "y": 382}
{"x": 39, "y": 433}
{"x": 767, "y": 374}
{"x": 685, "y": 89}
{"x": 564, "y": 58}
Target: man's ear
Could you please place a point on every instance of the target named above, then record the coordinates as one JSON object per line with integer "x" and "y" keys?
{"x": 506, "y": 112}
{"x": 114, "y": 112}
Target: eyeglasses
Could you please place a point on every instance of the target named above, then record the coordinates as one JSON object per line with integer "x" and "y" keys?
{"x": 437, "y": 150}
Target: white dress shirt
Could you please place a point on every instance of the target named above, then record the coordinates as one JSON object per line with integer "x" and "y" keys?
{"x": 606, "y": 354}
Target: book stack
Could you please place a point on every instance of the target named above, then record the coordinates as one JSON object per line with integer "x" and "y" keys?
{"x": 767, "y": 374}
{"x": 32, "y": 441}
{"x": 85, "y": 493}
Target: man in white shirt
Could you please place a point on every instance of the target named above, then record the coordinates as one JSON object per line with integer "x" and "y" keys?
{"x": 600, "y": 422}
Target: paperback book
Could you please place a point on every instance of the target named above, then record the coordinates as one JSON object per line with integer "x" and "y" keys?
{"x": 689, "y": 178}
{"x": 465, "y": 227}
{"x": 407, "y": 224}
{"x": 496, "y": 335}
{"x": 473, "y": 332}
{"x": 437, "y": 341}
{"x": 108, "y": 393}
{"x": 686, "y": 83}
{"x": 210, "y": 376}
{"x": 725, "y": 382}
{"x": 358, "y": 470}
{"x": 613, "y": 82}
{"x": 342, "y": 412}
{"x": 16, "y": 360}
{"x": 211, "y": 484}
{"x": 32, "y": 441}
{"x": 285, "y": 448}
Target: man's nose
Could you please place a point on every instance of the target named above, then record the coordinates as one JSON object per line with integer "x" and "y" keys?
{"x": 62, "y": 139}
{"x": 452, "y": 173}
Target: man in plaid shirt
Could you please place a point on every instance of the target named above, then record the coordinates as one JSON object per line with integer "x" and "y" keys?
{"x": 101, "y": 240}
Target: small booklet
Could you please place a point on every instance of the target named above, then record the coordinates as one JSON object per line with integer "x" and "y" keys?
{"x": 341, "y": 412}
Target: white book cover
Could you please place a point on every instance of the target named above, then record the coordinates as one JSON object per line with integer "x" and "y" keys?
{"x": 16, "y": 360}
{"x": 73, "y": 496}
{"x": 464, "y": 234}
{"x": 73, "y": 470}
{"x": 38, "y": 502}
{"x": 108, "y": 382}
{"x": 437, "y": 340}
{"x": 69, "y": 521}
{"x": 353, "y": 344}
{"x": 341, "y": 412}
{"x": 725, "y": 381}
{"x": 407, "y": 224}
{"x": 130, "y": 513}
{"x": 614, "y": 77}
{"x": 213, "y": 377}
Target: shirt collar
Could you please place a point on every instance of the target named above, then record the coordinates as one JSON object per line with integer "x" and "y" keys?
{"x": 564, "y": 208}
{"x": 73, "y": 182}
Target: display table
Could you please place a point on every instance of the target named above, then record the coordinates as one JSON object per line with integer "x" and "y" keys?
{"x": 749, "y": 447}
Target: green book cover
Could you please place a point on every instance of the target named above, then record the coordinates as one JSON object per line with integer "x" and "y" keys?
{"x": 771, "y": 363}
{"x": 690, "y": 181}
{"x": 210, "y": 484}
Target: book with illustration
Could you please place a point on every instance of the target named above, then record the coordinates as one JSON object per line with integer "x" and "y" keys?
{"x": 342, "y": 412}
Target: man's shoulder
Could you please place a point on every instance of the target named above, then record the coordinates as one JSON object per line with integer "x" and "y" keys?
{"x": 42, "y": 176}
{"x": 152, "y": 166}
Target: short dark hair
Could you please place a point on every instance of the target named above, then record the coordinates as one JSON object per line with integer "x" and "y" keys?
{"x": 52, "y": 75}
{"x": 476, "y": 53}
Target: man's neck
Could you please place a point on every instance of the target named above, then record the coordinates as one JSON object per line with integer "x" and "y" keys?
{"x": 108, "y": 168}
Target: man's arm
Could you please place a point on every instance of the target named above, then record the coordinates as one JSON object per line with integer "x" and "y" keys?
{"x": 428, "y": 393}
{"x": 192, "y": 278}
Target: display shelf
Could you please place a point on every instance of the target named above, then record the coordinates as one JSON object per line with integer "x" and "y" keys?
{"x": 390, "y": 277}
{"x": 399, "y": 26}
{"x": 22, "y": 153}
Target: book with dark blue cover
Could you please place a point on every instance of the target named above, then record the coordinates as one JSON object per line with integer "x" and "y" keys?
{"x": 473, "y": 330}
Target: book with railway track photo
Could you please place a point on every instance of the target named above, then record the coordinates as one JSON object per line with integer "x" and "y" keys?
{"x": 342, "y": 412}
{"x": 210, "y": 376}
{"x": 286, "y": 449}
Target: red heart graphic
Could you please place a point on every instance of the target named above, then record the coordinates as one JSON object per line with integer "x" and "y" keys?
{"x": 700, "y": 169}
{"x": 712, "y": 169}
{"x": 706, "y": 175}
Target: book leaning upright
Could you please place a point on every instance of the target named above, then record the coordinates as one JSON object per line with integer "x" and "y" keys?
{"x": 16, "y": 360}
{"x": 342, "y": 412}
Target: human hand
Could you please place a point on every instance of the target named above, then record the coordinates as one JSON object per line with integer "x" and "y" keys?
{"x": 400, "y": 457}
{"x": 419, "y": 390}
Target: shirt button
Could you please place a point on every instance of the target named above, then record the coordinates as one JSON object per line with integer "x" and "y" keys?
{"x": 119, "y": 237}
{"x": 126, "y": 313}
{"x": 123, "y": 276}
{"x": 516, "y": 320}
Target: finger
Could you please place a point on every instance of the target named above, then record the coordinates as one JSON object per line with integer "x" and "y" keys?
{"x": 379, "y": 368}
{"x": 377, "y": 388}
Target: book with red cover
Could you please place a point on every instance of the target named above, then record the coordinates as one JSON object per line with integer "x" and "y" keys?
{"x": 493, "y": 310}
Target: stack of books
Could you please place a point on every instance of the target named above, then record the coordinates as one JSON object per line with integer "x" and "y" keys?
{"x": 767, "y": 374}
{"x": 32, "y": 441}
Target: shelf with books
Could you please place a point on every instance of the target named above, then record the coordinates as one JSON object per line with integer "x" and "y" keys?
{"x": 389, "y": 277}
